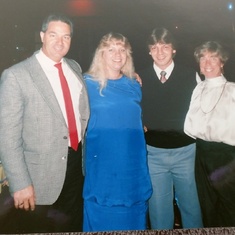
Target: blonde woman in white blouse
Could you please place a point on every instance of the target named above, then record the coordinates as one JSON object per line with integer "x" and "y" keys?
{"x": 211, "y": 121}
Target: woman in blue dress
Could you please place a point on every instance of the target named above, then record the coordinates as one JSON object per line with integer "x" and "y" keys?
{"x": 117, "y": 184}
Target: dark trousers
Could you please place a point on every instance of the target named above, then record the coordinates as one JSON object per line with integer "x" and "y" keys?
{"x": 215, "y": 178}
{"x": 65, "y": 215}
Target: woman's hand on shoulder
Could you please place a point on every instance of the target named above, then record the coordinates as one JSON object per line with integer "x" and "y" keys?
{"x": 138, "y": 79}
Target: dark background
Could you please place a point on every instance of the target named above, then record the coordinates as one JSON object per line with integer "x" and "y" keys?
{"x": 191, "y": 21}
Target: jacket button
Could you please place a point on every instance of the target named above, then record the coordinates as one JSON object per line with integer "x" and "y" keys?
{"x": 65, "y": 137}
{"x": 64, "y": 158}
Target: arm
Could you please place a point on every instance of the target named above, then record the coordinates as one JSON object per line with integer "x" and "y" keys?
{"x": 138, "y": 79}
{"x": 11, "y": 143}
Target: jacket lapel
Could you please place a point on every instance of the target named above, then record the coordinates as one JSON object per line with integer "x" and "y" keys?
{"x": 43, "y": 86}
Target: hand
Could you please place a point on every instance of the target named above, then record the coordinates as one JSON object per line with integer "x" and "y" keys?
{"x": 138, "y": 79}
{"x": 145, "y": 129}
{"x": 25, "y": 199}
{"x": 5, "y": 183}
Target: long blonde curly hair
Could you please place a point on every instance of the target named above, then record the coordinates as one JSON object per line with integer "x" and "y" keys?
{"x": 97, "y": 68}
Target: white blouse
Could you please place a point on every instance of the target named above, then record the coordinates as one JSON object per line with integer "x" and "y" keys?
{"x": 211, "y": 115}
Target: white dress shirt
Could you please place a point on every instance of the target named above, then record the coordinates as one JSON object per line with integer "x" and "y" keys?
{"x": 211, "y": 115}
{"x": 74, "y": 85}
{"x": 169, "y": 70}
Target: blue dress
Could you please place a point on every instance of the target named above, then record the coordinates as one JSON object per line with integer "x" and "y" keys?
{"x": 117, "y": 182}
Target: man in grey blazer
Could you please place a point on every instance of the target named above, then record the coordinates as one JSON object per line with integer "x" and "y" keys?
{"x": 43, "y": 171}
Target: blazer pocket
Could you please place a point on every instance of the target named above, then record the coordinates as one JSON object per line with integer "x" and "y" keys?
{"x": 33, "y": 158}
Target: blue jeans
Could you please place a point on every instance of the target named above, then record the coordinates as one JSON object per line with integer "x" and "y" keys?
{"x": 172, "y": 174}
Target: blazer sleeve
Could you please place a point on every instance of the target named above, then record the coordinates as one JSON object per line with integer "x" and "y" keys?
{"x": 11, "y": 144}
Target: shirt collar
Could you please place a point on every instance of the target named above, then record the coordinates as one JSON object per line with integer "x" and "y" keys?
{"x": 45, "y": 60}
{"x": 216, "y": 80}
{"x": 168, "y": 70}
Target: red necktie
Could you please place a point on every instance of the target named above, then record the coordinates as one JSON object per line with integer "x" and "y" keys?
{"x": 163, "y": 77}
{"x": 73, "y": 134}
